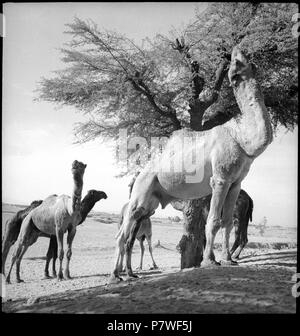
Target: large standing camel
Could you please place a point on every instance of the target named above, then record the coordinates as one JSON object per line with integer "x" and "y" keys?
{"x": 226, "y": 151}
{"x": 55, "y": 216}
{"x": 87, "y": 204}
{"x": 241, "y": 215}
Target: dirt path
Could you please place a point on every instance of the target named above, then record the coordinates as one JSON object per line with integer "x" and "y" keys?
{"x": 260, "y": 284}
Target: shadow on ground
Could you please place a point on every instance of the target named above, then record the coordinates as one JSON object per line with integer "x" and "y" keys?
{"x": 239, "y": 289}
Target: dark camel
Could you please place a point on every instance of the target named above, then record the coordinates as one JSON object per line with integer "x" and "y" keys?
{"x": 241, "y": 216}
{"x": 12, "y": 230}
{"x": 13, "y": 227}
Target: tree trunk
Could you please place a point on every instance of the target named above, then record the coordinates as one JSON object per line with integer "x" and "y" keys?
{"x": 192, "y": 241}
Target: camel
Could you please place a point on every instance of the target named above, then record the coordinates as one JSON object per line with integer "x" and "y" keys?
{"x": 241, "y": 215}
{"x": 87, "y": 204}
{"x": 12, "y": 229}
{"x": 13, "y": 226}
{"x": 226, "y": 153}
{"x": 241, "y": 218}
{"x": 55, "y": 216}
{"x": 145, "y": 232}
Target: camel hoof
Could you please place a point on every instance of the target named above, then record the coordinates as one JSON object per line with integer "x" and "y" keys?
{"x": 19, "y": 280}
{"x": 228, "y": 262}
{"x": 7, "y": 281}
{"x": 54, "y": 275}
{"x": 46, "y": 277}
{"x": 131, "y": 277}
{"x": 209, "y": 264}
{"x": 60, "y": 277}
{"x": 67, "y": 277}
{"x": 153, "y": 267}
{"x": 114, "y": 280}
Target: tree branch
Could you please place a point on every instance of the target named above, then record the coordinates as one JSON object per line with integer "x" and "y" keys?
{"x": 143, "y": 89}
{"x": 220, "y": 75}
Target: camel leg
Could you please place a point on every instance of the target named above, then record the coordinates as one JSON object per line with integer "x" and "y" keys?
{"x": 150, "y": 251}
{"x": 128, "y": 247}
{"x": 124, "y": 245}
{"x": 60, "y": 246}
{"x": 220, "y": 189}
{"x": 25, "y": 239}
{"x": 243, "y": 240}
{"x": 227, "y": 222}
{"x": 32, "y": 239}
{"x": 10, "y": 237}
{"x": 119, "y": 254}
{"x": 237, "y": 239}
{"x": 52, "y": 249}
{"x": 70, "y": 238}
{"x": 121, "y": 258}
{"x": 17, "y": 251}
{"x": 48, "y": 259}
{"x": 6, "y": 245}
{"x": 142, "y": 253}
{"x": 54, "y": 257}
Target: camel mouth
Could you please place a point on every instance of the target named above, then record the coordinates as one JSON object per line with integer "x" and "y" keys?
{"x": 238, "y": 55}
{"x": 104, "y": 195}
{"x": 240, "y": 69}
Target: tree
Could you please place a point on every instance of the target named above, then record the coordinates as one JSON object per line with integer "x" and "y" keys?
{"x": 169, "y": 84}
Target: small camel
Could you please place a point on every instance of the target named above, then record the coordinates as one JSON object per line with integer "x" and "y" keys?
{"x": 12, "y": 229}
{"x": 87, "y": 204}
{"x": 55, "y": 216}
{"x": 225, "y": 154}
{"x": 241, "y": 215}
{"x": 145, "y": 232}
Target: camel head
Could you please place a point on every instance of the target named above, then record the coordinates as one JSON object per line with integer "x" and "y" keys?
{"x": 96, "y": 195}
{"x": 240, "y": 68}
{"x": 78, "y": 168}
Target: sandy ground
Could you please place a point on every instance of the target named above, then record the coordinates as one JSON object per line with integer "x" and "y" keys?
{"x": 261, "y": 283}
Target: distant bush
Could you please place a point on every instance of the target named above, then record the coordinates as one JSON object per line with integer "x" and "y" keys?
{"x": 175, "y": 219}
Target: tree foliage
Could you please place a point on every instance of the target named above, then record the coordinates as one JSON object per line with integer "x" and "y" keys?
{"x": 147, "y": 89}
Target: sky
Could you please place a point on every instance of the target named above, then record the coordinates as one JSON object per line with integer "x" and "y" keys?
{"x": 37, "y": 137}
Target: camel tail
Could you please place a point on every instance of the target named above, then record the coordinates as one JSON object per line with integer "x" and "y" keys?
{"x": 250, "y": 209}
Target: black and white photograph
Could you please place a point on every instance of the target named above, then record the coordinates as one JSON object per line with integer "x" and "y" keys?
{"x": 149, "y": 160}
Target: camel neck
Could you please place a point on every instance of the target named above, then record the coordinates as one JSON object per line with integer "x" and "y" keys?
{"x": 77, "y": 191}
{"x": 86, "y": 207}
{"x": 252, "y": 127}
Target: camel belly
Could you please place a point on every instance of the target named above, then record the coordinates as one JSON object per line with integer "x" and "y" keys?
{"x": 187, "y": 186}
{"x": 46, "y": 223}
{"x": 184, "y": 168}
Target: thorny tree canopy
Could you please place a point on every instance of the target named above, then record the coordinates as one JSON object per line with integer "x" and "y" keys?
{"x": 146, "y": 89}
